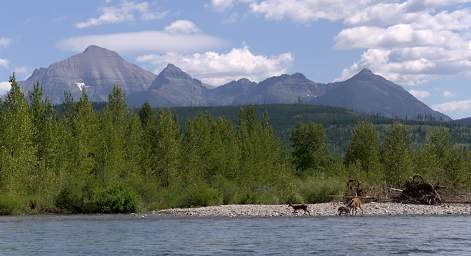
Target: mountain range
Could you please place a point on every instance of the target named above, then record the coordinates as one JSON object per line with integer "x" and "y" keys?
{"x": 96, "y": 70}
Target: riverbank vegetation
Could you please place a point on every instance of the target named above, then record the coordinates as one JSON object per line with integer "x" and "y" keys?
{"x": 116, "y": 160}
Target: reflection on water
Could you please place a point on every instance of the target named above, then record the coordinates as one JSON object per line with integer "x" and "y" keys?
{"x": 153, "y": 235}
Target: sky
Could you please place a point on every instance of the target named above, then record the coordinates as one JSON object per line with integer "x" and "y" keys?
{"x": 423, "y": 45}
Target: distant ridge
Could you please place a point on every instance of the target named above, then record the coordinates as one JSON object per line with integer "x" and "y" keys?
{"x": 96, "y": 70}
{"x": 369, "y": 93}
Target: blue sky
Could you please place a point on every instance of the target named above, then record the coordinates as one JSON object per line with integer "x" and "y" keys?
{"x": 424, "y": 45}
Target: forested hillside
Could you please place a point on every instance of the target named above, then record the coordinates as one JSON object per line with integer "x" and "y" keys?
{"x": 117, "y": 160}
{"x": 338, "y": 122}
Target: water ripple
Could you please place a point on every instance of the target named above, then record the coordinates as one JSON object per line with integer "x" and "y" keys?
{"x": 128, "y": 235}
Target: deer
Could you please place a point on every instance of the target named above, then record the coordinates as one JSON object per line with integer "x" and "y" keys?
{"x": 343, "y": 210}
{"x": 354, "y": 205}
{"x": 297, "y": 207}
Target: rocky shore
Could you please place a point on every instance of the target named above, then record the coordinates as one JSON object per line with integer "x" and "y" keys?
{"x": 324, "y": 209}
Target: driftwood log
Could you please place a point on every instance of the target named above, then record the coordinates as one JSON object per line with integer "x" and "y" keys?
{"x": 417, "y": 191}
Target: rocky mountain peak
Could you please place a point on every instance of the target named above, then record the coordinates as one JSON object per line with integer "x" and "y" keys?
{"x": 172, "y": 71}
{"x": 366, "y": 74}
{"x": 98, "y": 51}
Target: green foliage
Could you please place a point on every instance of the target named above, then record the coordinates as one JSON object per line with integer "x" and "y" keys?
{"x": 321, "y": 189}
{"x": 199, "y": 194}
{"x": 17, "y": 151}
{"x": 396, "y": 156}
{"x": 10, "y": 204}
{"x": 364, "y": 149}
{"x": 113, "y": 198}
{"x": 70, "y": 199}
{"x": 85, "y": 158}
{"x": 116, "y": 198}
{"x": 310, "y": 151}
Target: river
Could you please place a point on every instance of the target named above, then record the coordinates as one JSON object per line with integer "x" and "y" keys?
{"x": 156, "y": 235}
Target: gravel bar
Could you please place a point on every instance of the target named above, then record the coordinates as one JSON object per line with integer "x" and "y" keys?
{"x": 324, "y": 209}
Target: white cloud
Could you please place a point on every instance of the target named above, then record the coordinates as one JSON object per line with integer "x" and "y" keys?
{"x": 420, "y": 94}
{"x": 4, "y": 42}
{"x": 182, "y": 26}
{"x": 454, "y": 106}
{"x": 218, "y": 68}
{"x": 222, "y": 4}
{"x": 351, "y": 12}
{"x": 307, "y": 10}
{"x": 4, "y": 88}
{"x": 125, "y": 11}
{"x": 397, "y": 36}
{"x": 4, "y": 63}
{"x": 448, "y": 94}
{"x": 432, "y": 45}
{"x": 407, "y": 41}
{"x": 153, "y": 41}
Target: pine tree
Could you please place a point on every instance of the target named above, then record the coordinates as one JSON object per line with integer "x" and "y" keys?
{"x": 145, "y": 115}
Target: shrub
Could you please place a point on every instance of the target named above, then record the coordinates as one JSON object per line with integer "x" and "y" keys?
{"x": 246, "y": 197}
{"x": 9, "y": 204}
{"x": 200, "y": 195}
{"x": 69, "y": 199}
{"x": 258, "y": 195}
{"x": 228, "y": 188}
{"x": 320, "y": 189}
{"x": 115, "y": 198}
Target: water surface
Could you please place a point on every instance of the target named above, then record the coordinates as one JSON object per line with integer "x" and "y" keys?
{"x": 154, "y": 235}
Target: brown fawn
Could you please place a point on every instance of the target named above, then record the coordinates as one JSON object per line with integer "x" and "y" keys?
{"x": 297, "y": 207}
{"x": 343, "y": 210}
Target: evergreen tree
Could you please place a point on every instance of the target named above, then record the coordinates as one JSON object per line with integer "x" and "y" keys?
{"x": 145, "y": 115}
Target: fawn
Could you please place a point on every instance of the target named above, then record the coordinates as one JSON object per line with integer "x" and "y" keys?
{"x": 297, "y": 207}
{"x": 343, "y": 210}
{"x": 355, "y": 204}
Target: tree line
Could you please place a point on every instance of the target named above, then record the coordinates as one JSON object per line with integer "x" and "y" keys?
{"x": 117, "y": 160}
